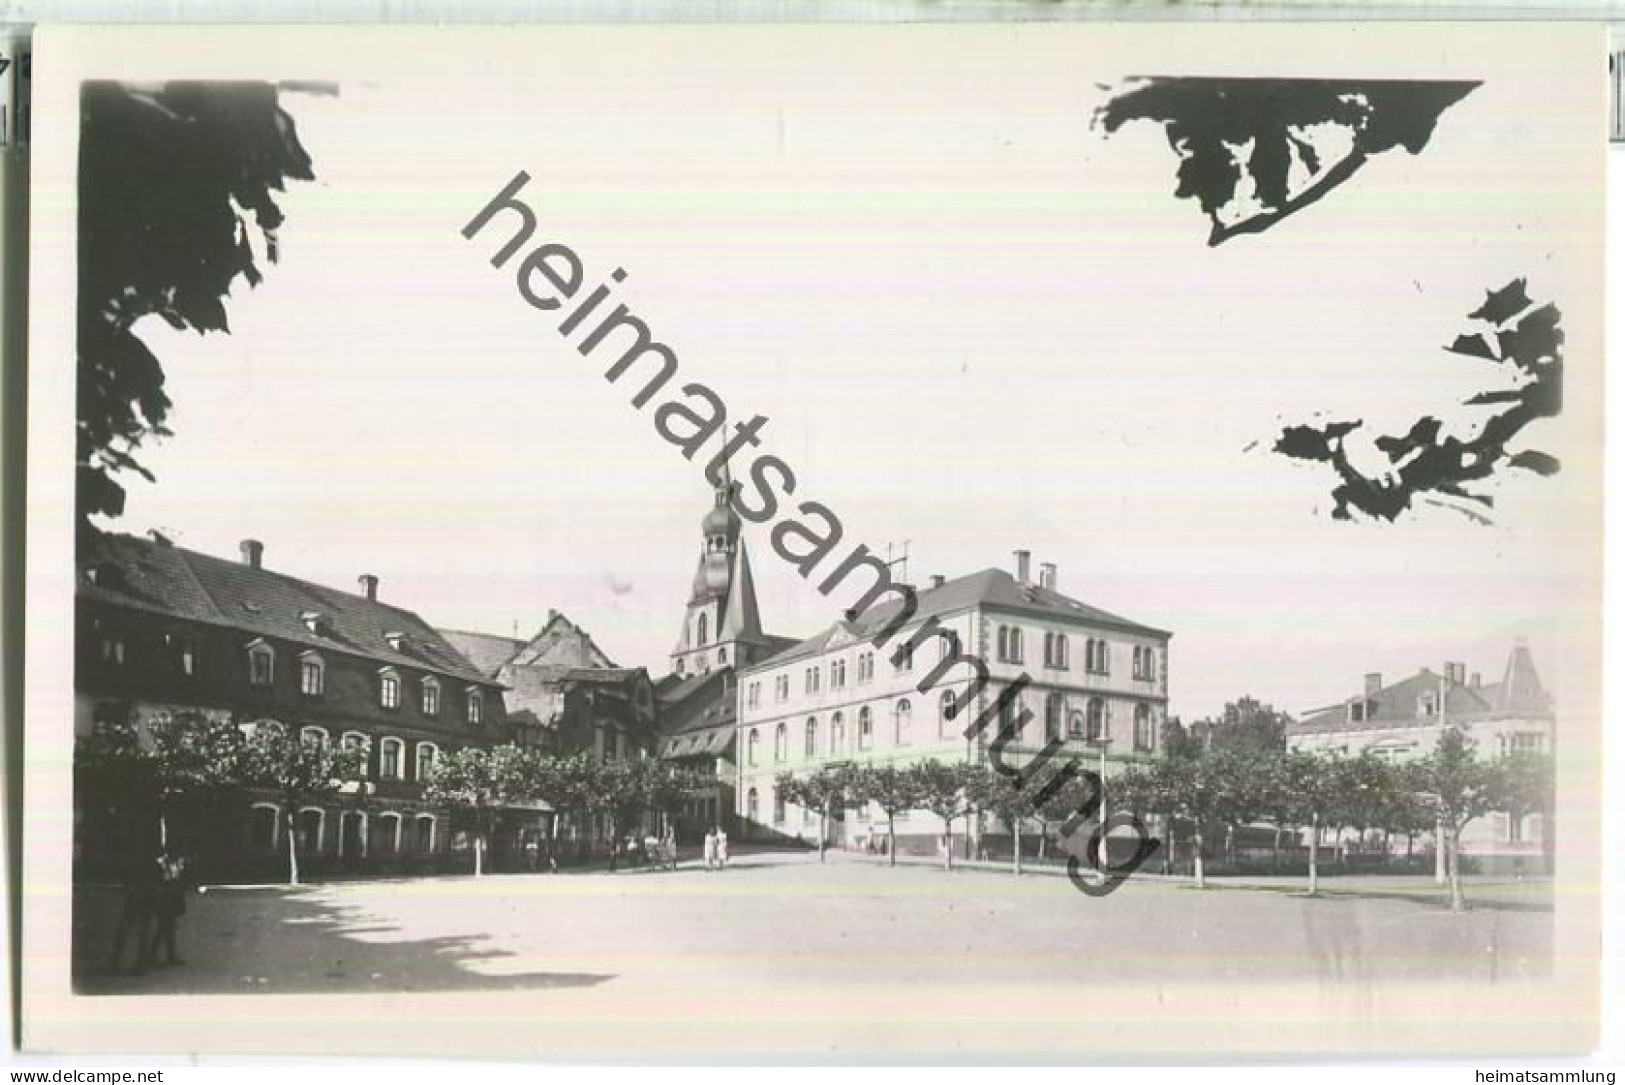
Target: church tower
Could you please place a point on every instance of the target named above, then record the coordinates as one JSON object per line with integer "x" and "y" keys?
{"x": 722, "y": 627}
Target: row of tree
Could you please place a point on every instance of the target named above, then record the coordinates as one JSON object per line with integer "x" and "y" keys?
{"x": 195, "y": 756}
{"x": 1206, "y": 790}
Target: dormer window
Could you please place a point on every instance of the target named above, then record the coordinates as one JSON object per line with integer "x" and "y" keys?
{"x": 431, "y": 697}
{"x": 261, "y": 664}
{"x": 1357, "y": 711}
{"x": 1427, "y": 705}
{"x": 316, "y": 622}
{"x": 389, "y": 688}
{"x": 397, "y": 641}
{"x": 312, "y": 674}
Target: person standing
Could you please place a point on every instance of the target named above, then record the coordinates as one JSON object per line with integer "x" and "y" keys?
{"x": 722, "y": 849}
{"x": 709, "y": 849}
{"x": 168, "y": 907}
{"x": 139, "y": 880}
{"x": 669, "y": 847}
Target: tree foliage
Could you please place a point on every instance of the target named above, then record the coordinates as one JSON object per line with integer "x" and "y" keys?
{"x": 175, "y": 182}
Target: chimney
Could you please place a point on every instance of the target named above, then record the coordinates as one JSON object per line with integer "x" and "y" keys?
{"x": 159, "y": 538}
{"x": 253, "y": 551}
{"x": 1046, "y": 575}
{"x": 937, "y": 580}
{"x": 1024, "y": 559}
{"x": 1373, "y": 684}
{"x": 369, "y": 586}
{"x": 1455, "y": 673}
{"x": 1477, "y": 680}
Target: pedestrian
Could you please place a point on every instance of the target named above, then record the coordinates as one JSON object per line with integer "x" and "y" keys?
{"x": 670, "y": 847}
{"x": 709, "y": 849}
{"x": 139, "y": 879}
{"x": 168, "y": 907}
{"x": 722, "y": 849}
{"x": 532, "y": 853}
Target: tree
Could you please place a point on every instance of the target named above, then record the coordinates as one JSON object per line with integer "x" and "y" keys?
{"x": 895, "y": 791}
{"x": 174, "y": 182}
{"x": 482, "y": 781}
{"x": 1245, "y": 726}
{"x": 823, "y": 790}
{"x": 1007, "y": 800}
{"x": 948, "y": 791}
{"x": 1298, "y": 796}
{"x": 665, "y": 787}
{"x": 1362, "y": 791}
{"x": 299, "y": 769}
{"x": 1195, "y": 789}
{"x": 1459, "y": 787}
{"x": 142, "y": 774}
{"x": 1526, "y": 785}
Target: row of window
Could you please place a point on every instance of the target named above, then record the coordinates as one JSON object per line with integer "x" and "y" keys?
{"x": 391, "y": 752}
{"x": 181, "y": 651}
{"x": 352, "y": 839}
{"x": 1092, "y": 724}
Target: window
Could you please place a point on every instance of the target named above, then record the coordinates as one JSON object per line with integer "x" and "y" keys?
{"x": 425, "y": 834}
{"x": 1144, "y": 733}
{"x": 1011, "y": 724}
{"x": 837, "y": 674}
{"x": 1425, "y": 704}
{"x": 903, "y": 658}
{"x": 389, "y": 827}
{"x": 812, "y": 680}
{"x": 722, "y": 656}
{"x": 1145, "y": 663}
{"x": 947, "y": 644}
{"x": 313, "y": 736}
{"x": 837, "y": 735}
{"x": 1055, "y": 650}
{"x": 1357, "y": 711}
{"x": 311, "y": 822}
{"x": 1004, "y": 644}
{"x": 476, "y": 705}
{"x": 1074, "y": 726}
{"x": 753, "y": 695}
{"x": 353, "y": 834}
{"x": 312, "y": 674}
{"x": 1054, "y": 709}
{"x": 866, "y": 729}
{"x": 1527, "y": 741}
{"x": 778, "y": 808}
{"x": 701, "y": 631}
{"x": 425, "y": 756}
{"x": 947, "y": 709}
{"x": 183, "y": 651}
{"x": 903, "y": 723}
{"x": 389, "y": 689}
{"x": 812, "y": 736}
{"x": 1097, "y": 722}
{"x": 263, "y": 821}
{"x": 752, "y": 805}
{"x": 866, "y": 666}
{"x": 355, "y": 740}
{"x": 431, "y": 697}
{"x": 261, "y": 664}
{"x": 750, "y": 747}
{"x": 781, "y": 742}
{"x": 390, "y": 755}
{"x": 110, "y": 646}
{"x": 1015, "y": 645}
{"x": 781, "y": 687}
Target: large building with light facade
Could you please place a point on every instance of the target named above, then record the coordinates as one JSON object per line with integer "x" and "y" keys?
{"x": 1081, "y": 675}
{"x": 1405, "y": 719}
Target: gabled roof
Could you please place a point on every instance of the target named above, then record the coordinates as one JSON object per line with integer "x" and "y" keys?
{"x": 993, "y": 589}
{"x": 486, "y": 651}
{"x": 168, "y": 580}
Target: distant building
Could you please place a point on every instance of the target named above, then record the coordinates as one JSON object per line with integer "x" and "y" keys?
{"x": 162, "y": 631}
{"x": 1086, "y": 677}
{"x": 1405, "y": 719}
{"x": 566, "y": 696}
{"x": 721, "y": 631}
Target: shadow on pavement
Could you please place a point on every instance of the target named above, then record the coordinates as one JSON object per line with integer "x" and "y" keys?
{"x": 1436, "y": 899}
{"x": 289, "y": 941}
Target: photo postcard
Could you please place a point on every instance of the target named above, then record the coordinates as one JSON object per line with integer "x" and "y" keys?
{"x": 818, "y": 542}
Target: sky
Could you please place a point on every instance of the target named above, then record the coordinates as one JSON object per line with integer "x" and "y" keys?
{"x": 973, "y": 322}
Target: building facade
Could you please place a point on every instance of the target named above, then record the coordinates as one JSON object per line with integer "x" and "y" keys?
{"x": 1402, "y": 720}
{"x": 163, "y": 631}
{"x": 991, "y": 646}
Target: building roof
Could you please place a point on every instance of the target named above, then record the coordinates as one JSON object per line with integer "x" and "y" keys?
{"x": 990, "y": 588}
{"x": 160, "y": 578}
{"x": 1520, "y": 692}
{"x": 486, "y": 651}
{"x": 742, "y": 620}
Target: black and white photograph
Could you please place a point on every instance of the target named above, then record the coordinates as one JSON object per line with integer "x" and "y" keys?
{"x": 816, "y": 542}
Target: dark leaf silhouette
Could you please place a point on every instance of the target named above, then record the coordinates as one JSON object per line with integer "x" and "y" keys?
{"x": 1253, "y": 151}
{"x": 171, "y": 180}
{"x": 1431, "y": 460}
